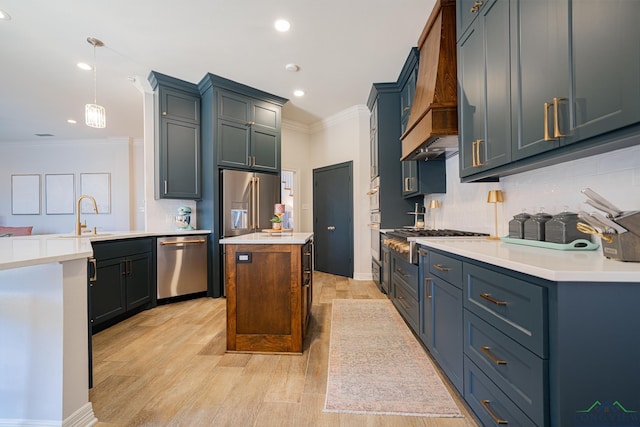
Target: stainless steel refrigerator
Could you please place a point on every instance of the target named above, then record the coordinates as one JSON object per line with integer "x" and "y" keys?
{"x": 248, "y": 200}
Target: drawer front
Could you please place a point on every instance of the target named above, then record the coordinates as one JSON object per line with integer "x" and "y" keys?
{"x": 446, "y": 268}
{"x": 407, "y": 303}
{"x": 121, "y": 248}
{"x": 407, "y": 272}
{"x": 513, "y": 306}
{"x": 491, "y": 405}
{"x": 519, "y": 373}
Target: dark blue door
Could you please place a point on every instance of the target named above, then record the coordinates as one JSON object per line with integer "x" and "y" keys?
{"x": 333, "y": 219}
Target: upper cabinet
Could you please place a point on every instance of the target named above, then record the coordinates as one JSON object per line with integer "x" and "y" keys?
{"x": 248, "y": 132}
{"x": 244, "y": 124}
{"x": 484, "y": 95}
{"x": 541, "y": 82}
{"x": 177, "y": 143}
{"x": 418, "y": 177}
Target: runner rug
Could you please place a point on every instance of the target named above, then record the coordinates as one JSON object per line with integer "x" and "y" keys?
{"x": 376, "y": 366}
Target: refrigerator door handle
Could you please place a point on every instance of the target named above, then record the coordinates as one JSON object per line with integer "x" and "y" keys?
{"x": 253, "y": 203}
{"x": 257, "y": 203}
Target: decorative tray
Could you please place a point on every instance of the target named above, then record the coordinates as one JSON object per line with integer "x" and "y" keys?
{"x": 272, "y": 231}
{"x": 576, "y": 245}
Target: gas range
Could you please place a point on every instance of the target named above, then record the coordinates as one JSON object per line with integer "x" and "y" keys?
{"x": 398, "y": 240}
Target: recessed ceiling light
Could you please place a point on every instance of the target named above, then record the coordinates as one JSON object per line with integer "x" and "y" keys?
{"x": 292, "y": 67}
{"x": 71, "y": 121}
{"x": 4, "y": 16}
{"x": 84, "y": 66}
{"x": 298, "y": 92}
{"x": 282, "y": 25}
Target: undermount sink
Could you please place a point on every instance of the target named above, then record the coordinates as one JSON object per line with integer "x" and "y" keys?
{"x": 87, "y": 235}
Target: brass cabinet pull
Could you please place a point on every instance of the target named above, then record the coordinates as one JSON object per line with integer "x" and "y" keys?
{"x": 496, "y": 419}
{"x": 165, "y": 187}
{"x": 441, "y": 267}
{"x": 556, "y": 126}
{"x": 492, "y": 300}
{"x": 487, "y": 350}
{"x": 427, "y": 281}
{"x": 406, "y": 108}
{"x": 474, "y": 162}
{"x": 402, "y": 273}
{"x": 123, "y": 268}
{"x": 478, "y": 162}
{"x": 164, "y": 113}
{"x": 547, "y": 137}
{"x": 251, "y": 123}
{"x": 94, "y": 273}
{"x": 422, "y": 252}
{"x": 476, "y": 7}
{"x": 406, "y": 184}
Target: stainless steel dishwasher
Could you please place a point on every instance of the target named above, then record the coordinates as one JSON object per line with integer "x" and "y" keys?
{"x": 182, "y": 265}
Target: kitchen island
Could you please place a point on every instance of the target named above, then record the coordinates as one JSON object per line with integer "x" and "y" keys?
{"x": 535, "y": 336}
{"x": 43, "y": 331}
{"x": 44, "y": 336}
{"x": 268, "y": 280}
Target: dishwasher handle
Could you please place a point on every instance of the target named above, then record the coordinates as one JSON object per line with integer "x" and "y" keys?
{"x": 182, "y": 242}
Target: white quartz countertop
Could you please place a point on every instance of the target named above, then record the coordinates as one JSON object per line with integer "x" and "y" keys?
{"x": 550, "y": 264}
{"x": 288, "y": 238}
{"x": 24, "y": 251}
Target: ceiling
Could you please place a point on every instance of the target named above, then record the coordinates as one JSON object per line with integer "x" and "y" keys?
{"x": 341, "y": 47}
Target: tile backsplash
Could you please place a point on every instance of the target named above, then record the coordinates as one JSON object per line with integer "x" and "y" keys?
{"x": 615, "y": 175}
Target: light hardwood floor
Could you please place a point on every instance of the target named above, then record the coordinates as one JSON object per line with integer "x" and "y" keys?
{"x": 167, "y": 367}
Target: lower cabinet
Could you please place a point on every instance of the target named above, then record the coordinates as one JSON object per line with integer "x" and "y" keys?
{"x": 404, "y": 285}
{"x": 122, "y": 280}
{"x": 441, "y": 314}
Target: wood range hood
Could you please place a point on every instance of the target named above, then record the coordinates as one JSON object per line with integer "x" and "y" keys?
{"x": 433, "y": 121}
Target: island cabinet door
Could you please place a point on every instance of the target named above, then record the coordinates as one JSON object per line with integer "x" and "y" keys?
{"x": 264, "y": 304}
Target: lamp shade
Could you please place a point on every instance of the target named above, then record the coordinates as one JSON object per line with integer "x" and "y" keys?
{"x": 434, "y": 204}
{"x": 495, "y": 196}
{"x": 95, "y": 116}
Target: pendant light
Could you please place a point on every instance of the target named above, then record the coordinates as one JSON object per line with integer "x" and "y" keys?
{"x": 95, "y": 115}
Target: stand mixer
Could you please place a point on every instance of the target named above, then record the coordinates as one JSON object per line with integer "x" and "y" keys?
{"x": 183, "y": 218}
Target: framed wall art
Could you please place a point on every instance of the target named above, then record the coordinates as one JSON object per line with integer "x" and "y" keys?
{"x": 59, "y": 194}
{"x": 25, "y": 194}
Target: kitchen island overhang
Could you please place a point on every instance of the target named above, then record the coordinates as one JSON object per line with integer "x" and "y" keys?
{"x": 269, "y": 279}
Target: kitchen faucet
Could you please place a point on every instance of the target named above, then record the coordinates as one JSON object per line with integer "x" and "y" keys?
{"x": 79, "y": 225}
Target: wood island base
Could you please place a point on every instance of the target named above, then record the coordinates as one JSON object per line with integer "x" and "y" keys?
{"x": 269, "y": 293}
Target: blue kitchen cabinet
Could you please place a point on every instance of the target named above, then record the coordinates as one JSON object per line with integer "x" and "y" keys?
{"x": 573, "y": 85}
{"x": 248, "y": 132}
{"x": 530, "y": 345}
{"x": 404, "y": 278}
{"x": 505, "y": 336}
{"x": 484, "y": 92}
{"x": 178, "y": 149}
{"x": 418, "y": 177}
{"x": 384, "y": 105}
{"x": 440, "y": 327}
{"x": 466, "y": 12}
{"x": 604, "y": 80}
{"x": 539, "y": 72}
{"x": 123, "y": 283}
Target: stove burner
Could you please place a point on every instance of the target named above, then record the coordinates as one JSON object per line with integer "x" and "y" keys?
{"x": 404, "y": 233}
{"x": 397, "y": 240}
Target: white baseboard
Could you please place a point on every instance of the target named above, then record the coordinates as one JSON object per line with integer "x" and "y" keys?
{"x": 83, "y": 417}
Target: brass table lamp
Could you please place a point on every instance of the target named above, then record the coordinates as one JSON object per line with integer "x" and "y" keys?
{"x": 495, "y": 197}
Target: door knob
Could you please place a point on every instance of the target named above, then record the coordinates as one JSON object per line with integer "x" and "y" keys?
{"x": 331, "y": 228}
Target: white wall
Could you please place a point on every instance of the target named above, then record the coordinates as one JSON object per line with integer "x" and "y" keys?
{"x": 113, "y": 156}
{"x": 615, "y": 175}
{"x": 296, "y": 156}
